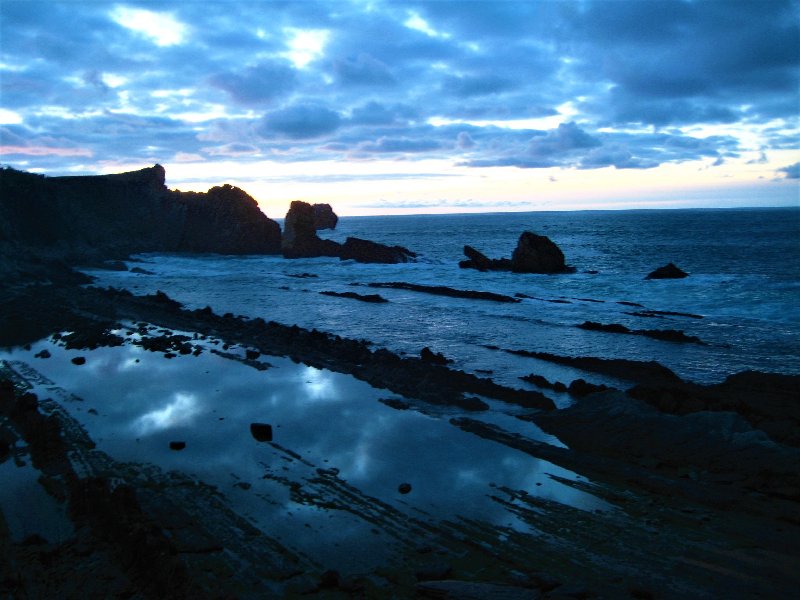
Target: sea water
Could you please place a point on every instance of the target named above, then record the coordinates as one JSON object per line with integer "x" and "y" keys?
{"x": 744, "y": 281}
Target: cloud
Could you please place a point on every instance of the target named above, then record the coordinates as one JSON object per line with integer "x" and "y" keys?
{"x": 464, "y": 141}
{"x": 400, "y": 145}
{"x": 614, "y": 156}
{"x": 476, "y": 85}
{"x": 375, "y": 113}
{"x": 300, "y": 121}
{"x": 632, "y": 84}
{"x": 257, "y": 84}
{"x": 363, "y": 70}
{"x": 791, "y": 171}
{"x": 232, "y": 150}
{"x": 567, "y": 137}
{"x": 44, "y": 151}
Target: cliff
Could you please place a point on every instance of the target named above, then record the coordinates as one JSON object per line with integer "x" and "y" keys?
{"x": 108, "y": 216}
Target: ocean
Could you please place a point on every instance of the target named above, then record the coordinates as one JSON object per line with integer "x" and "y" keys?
{"x": 744, "y": 282}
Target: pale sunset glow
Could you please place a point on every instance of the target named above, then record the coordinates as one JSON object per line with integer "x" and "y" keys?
{"x": 414, "y": 106}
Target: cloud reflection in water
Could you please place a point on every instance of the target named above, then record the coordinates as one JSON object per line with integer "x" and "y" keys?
{"x": 181, "y": 411}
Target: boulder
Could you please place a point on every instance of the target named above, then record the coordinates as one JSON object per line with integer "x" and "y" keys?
{"x": 668, "y": 271}
{"x": 300, "y": 239}
{"x": 261, "y": 432}
{"x": 366, "y": 251}
{"x": 324, "y": 217}
{"x": 538, "y": 254}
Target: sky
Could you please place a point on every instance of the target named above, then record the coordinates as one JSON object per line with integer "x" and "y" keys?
{"x": 391, "y": 107}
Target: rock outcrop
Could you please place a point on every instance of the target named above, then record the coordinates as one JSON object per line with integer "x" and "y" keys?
{"x": 226, "y": 220}
{"x": 324, "y": 217}
{"x": 366, "y": 251}
{"x": 668, "y": 271}
{"x": 111, "y": 216}
{"x": 300, "y": 239}
{"x": 533, "y": 254}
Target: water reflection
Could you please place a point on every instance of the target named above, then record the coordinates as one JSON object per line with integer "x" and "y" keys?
{"x": 181, "y": 411}
{"x": 136, "y": 402}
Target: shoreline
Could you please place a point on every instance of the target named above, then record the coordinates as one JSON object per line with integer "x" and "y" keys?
{"x": 633, "y": 471}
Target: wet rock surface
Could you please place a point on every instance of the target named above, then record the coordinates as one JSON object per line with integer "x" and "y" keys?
{"x": 667, "y": 335}
{"x": 372, "y": 298}
{"x": 441, "y": 290}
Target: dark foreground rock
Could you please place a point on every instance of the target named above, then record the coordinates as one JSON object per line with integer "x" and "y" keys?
{"x": 767, "y": 401}
{"x": 710, "y": 446}
{"x": 668, "y": 271}
{"x": 533, "y": 254}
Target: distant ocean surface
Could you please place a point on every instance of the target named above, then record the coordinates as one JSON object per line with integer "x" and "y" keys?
{"x": 744, "y": 281}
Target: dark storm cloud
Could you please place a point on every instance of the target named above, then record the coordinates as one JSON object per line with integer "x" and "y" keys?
{"x": 223, "y": 79}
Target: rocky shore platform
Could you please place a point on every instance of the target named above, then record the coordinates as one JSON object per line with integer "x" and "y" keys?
{"x": 699, "y": 486}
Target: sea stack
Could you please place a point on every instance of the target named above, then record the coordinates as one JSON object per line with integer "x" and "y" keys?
{"x": 300, "y": 239}
{"x": 533, "y": 254}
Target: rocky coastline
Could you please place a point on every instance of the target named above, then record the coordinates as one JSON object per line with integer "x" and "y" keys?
{"x": 702, "y": 480}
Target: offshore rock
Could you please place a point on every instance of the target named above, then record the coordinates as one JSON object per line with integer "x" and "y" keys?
{"x": 366, "y": 251}
{"x": 668, "y": 271}
{"x": 533, "y": 254}
{"x": 538, "y": 254}
{"x": 300, "y": 239}
{"x": 324, "y": 217}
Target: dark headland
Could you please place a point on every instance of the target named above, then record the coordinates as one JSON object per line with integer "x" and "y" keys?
{"x": 703, "y": 481}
